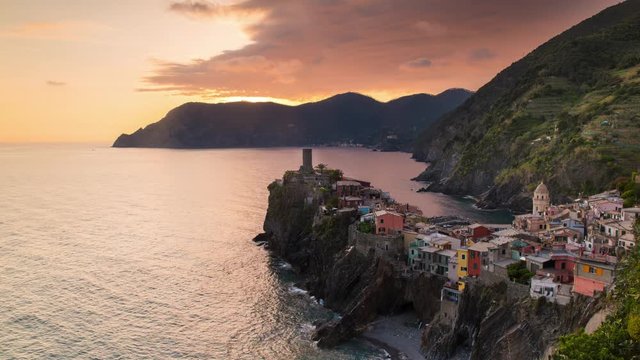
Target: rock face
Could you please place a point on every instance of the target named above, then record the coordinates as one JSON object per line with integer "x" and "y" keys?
{"x": 566, "y": 113}
{"x": 490, "y": 325}
{"x": 346, "y": 117}
{"x": 492, "y": 322}
{"x": 358, "y": 286}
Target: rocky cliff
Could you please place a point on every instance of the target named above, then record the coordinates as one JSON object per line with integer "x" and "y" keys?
{"x": 358, "y": 286}
{"x": 567, "y": 113}
{"x": 492, "y": 321}
{"x": 492, "y": 325}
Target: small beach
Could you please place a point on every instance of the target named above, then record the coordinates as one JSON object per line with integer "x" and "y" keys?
{"x": 399, "y": 335}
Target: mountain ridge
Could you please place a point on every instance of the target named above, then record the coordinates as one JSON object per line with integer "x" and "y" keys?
{"x": 343, "y": 118}
{"x": 566, "y": 113}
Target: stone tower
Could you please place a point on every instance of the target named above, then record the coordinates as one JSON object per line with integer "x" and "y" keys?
{"x": 307, "y": 161}
{"x": 541, "y": 199}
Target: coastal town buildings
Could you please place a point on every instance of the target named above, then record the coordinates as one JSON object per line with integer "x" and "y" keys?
{"x": 563, "y": 250}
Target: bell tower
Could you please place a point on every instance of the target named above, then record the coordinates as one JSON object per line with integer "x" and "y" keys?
{"x": 541, "y": 199}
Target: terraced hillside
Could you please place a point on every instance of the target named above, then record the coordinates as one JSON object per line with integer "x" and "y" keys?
{"x": 567, "y": 113}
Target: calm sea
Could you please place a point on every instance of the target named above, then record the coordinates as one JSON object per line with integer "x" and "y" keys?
{"x": 147, "y": 253}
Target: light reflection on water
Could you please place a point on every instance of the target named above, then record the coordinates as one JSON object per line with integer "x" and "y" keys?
{"x": 132, "y": 253}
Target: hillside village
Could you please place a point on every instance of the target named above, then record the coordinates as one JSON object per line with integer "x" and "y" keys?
{"x": 558, "y": 251}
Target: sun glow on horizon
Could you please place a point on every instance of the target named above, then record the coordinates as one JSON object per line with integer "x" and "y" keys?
{"x": 88, "y": 71}
{"x": 258, "y": 99}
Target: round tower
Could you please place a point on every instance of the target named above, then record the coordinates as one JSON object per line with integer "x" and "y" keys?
{"x": 541, "y": 199}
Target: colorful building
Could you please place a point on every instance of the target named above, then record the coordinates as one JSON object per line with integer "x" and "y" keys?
{"x": 478, "y": 257}
{"x": 348, "y": 188}
{"x": 463, "y": 262}
{"x": 414, "y": 259}
{"x": 477, "y": 231}
{"x": 388, "y": 222}
{"x": 592, "y": 276}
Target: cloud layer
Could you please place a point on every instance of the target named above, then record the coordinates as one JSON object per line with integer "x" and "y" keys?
{"x": 309, "y": 48}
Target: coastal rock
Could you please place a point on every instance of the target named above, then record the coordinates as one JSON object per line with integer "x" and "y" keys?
{"x": 358, "y": 286}
{"x": 492, "y": 325}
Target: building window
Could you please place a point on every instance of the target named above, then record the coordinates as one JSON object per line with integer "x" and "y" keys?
{"x": 463, "y": 256}
{"x": 475, "y": 266}
{"x": 563, "y": 266}
{"x": 381, "y": 221}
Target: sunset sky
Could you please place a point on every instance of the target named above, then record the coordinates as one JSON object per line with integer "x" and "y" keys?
{"x": 88, "y": 70}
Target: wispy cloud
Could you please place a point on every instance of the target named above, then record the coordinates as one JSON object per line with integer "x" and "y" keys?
{"x": 204, "y": 9}
{"x": 198, "y": 8}
{"x": 54, "y": 30}
{"x": 306, "y": 48}
{"x": 482, "y": 54}
{"x": 416, "y": 64}
{"x": 55, "y": 83}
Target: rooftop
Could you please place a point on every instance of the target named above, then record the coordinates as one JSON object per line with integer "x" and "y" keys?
{"x": 429, "y": 249}
{"x": 595, "y": 262}
{"x": 482, "y": 246}
{"x": 538, "y": 259}
{"x": 386, "y": 212}
{"x": 347, "y": 183}
{"x": 448, "y": 253}
{"x": 504, "y": 263}
{"x": 507, "y": 232}
{"x": 502, "y": 240}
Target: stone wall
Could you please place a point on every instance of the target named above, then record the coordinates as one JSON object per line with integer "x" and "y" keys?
{"x": 514, "y": 290}
{"x": 388, "y": 246}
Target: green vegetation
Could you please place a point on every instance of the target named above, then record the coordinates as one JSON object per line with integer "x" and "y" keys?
{"x": 629, "y": 189}
{"x": 568, "y": 113}
{"x": 366, "y": 227}
{"x": 333, "y": 202}
{"x": 619, "y": 336}
{"x": 321, "y": 168}
{"x": 334, "y": 174}
{"x": 519, "y": 273}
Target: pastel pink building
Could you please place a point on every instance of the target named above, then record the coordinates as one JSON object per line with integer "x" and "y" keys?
{"x": 592, "y": 276}
{"x": 388, "y": 222}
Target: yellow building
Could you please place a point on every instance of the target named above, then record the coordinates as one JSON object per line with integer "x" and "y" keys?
{"x": 463, "y": 261}
{"x": 461, "y": 285}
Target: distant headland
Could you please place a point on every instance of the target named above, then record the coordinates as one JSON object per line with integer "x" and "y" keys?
{"x": 348, "y": 118}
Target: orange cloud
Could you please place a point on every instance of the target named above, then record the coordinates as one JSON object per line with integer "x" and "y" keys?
{"x": 60, "y": 30}
{"x": 308, "y": 48}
